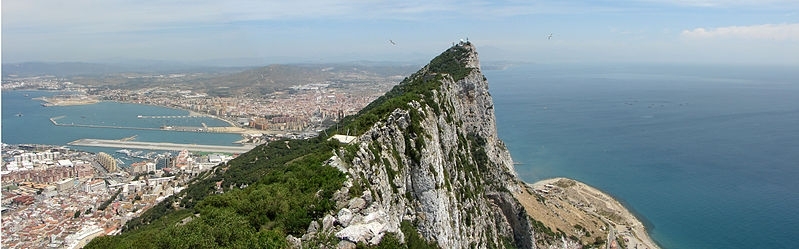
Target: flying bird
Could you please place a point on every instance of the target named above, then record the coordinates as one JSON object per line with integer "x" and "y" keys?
{"x": 549, "y": 37}
{"x": 392, "y": 42}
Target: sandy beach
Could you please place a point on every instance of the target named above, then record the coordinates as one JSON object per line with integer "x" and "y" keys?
{"x": 568, "y": 206}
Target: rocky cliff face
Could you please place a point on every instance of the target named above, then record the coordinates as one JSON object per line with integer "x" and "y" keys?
{"x": 434, "y": 163}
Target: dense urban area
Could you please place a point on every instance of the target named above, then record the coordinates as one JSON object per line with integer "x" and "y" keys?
{"x": 58, "y": 197}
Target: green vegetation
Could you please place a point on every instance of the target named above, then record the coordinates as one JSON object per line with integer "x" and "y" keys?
{"x": 275, "y": 190}
{"x": 450, "y": 63}
{"x": 419, "y": 87}
{"x": 291, "y": 189}
{"x": 581, "y": 228}
{"x": 508, "y": 243}
{"x": 412, "y": 237}
{"x": 109, "y": 201}
{"x": 478, "y": 151}
{"x": 540, "y": 228}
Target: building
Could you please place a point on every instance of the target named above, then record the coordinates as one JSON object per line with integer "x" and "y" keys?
{"x": 66, "y": 184}
{"x": 183, "y": 160}
{"x": 95, "y": 186}
{"x": 142, "y": 167}
{"x": 65, "y": 163}
{"x": 82, "y": 237}
{"x": 107, "y": 161}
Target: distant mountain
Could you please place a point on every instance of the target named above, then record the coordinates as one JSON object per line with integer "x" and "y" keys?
{"x": 223, "y": 81}
{"x": 263, "y": 80}
{"x": 69, "y": 69}
{"x": 58, "y": 69}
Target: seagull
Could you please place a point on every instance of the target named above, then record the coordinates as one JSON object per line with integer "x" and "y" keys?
{"x": 392, "y": 42}
{"x": 549, "y": 37}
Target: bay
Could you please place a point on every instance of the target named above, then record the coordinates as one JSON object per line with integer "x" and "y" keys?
{"x": 707, "y": 156}
{"x": 26, "y": 121}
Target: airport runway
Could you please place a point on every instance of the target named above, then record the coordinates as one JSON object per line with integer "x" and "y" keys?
{"x": 160, "y": 146}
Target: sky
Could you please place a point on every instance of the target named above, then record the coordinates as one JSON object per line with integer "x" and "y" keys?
{"x": 591, "y": 31}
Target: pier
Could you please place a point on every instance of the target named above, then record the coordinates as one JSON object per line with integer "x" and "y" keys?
{"x": 160, "y": 146}
{"x": 174, "y": 117}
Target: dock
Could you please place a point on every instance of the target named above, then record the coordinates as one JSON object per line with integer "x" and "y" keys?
{"x": 160, "y": 146}
{"x": 174, "y": 116}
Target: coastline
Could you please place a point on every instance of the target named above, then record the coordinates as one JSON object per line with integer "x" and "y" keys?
{"x": 562, "y": 204}
{"x": 233, "y": 128}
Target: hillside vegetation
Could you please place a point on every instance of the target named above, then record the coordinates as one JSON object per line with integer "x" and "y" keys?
{"x": 272, "y": 191}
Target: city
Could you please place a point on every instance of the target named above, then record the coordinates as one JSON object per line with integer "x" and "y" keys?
{"x": 304, "y": 108}
{"x": 58, "y": 197}
{"x": 55, "y": 197}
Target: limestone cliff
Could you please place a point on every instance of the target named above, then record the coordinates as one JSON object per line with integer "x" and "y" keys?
{"x": 425, "y": 169}
{"x": 434, "y": 162}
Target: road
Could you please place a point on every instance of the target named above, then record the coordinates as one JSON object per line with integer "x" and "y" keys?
{"x": 160, "y": 146}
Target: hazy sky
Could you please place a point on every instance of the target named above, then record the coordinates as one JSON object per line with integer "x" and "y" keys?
{"x": 702, "y": 31}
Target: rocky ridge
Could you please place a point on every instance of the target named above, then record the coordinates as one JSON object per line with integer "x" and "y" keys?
{"x": 426, "y": 170}
{"x": 436, "y": 163}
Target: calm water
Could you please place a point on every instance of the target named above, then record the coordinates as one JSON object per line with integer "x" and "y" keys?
{"x": 708, "y": 156}
{"x": 34, "y": 125}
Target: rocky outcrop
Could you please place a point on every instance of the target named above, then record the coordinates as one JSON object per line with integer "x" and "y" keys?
{"x": 436, "y": 163}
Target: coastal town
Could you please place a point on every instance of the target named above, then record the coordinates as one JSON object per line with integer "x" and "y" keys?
{"x": 301, "y": 109}
{"x": 54, "y": 196}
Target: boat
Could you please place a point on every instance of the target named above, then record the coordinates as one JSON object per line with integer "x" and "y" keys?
{"x": 19, "y": 114}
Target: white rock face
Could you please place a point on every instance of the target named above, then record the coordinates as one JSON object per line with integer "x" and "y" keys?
{"x": 344, "y": 217}
{"x": 451, "y": 179}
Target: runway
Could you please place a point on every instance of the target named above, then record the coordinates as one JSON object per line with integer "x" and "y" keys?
{"x": 160, "y": 146}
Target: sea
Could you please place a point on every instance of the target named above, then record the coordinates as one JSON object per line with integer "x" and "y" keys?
{"x": 26, "y": 121}
{"x": 706, "y": 156}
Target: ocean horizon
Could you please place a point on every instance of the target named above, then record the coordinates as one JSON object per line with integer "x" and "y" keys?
{"x": 705, "y": 156}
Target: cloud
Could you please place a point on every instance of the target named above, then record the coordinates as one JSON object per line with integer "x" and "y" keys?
{"x": 728, "y": 3}
{"x": 778, "y": 32}
{"x": 98, "y": 16}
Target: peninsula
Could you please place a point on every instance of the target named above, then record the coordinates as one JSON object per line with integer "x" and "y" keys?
{"x": 426, "y": 169}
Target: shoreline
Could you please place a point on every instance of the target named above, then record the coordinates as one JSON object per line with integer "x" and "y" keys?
{"x": 569, "y": 196}
{"x": 232, "y": 128}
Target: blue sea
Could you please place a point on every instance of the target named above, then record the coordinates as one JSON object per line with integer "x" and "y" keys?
{"x": 706, "y": 156}
{"x": 26, "y": 121}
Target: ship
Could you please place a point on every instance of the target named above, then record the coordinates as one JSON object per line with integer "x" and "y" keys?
{"x": 123, "y": 151}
